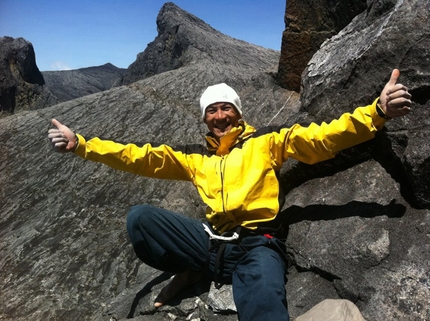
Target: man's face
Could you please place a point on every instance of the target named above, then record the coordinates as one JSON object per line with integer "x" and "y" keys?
{"x": 221, "y": 118}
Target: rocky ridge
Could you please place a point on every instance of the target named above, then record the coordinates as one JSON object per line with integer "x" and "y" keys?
{"x": 359, "y": 225}
{"x": 70, "y": 84}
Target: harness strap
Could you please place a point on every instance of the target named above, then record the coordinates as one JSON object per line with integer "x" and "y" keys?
{"x": 222, "y": 241}
{"x": 219, "y": 255}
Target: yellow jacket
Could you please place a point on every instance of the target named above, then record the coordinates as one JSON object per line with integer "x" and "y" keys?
{"x": 237, "y": 176}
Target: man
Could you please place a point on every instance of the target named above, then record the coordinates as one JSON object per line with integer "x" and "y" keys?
{"x": 236, "y": 176}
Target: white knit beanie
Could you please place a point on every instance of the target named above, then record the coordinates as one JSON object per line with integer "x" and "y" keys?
{"x": 220, "y": 93}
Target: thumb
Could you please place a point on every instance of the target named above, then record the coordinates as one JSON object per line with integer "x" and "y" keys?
{"x": 56, "y": 123}
{"x": 394, "y": 77}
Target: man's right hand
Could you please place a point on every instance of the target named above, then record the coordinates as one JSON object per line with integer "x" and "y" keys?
{"x": 63, "y": 139}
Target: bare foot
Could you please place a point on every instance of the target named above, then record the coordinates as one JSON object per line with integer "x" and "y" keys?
{"x": 179, "y": 282}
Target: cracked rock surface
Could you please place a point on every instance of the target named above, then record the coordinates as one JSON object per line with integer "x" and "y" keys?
{"x": 358, "y": 225}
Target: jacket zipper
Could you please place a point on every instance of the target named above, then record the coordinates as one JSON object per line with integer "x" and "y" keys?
{"x": 222, "y": 183}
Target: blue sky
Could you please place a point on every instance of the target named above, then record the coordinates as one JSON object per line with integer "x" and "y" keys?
{"x": 83, "y": 33}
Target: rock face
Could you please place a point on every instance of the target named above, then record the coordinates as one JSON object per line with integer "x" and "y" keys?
{"x": 309, "y": 23}
{"x": 21, "y": 83}
{"x": 359, "y": 224}
{"x": 344, "y": 61}
{"x": 70, "y": 84}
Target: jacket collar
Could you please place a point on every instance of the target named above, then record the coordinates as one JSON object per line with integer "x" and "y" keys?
{"x": 233, "y": 137}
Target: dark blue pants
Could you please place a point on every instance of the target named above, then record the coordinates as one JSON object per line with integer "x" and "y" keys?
{"x": 171, "y": 242}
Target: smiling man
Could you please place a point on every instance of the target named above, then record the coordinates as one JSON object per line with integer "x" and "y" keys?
{"x": 221, "y": 109}
{"x": 236, "y": 175}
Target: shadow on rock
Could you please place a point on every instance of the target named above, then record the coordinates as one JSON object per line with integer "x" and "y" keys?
{"x": 295, "y": 214}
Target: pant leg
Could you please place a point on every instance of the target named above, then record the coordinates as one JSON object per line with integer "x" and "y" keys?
{"x": 259, "y": 286}
{"x": 166, "y": 240}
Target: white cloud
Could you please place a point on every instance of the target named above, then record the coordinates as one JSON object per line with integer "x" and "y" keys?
{"x": 59, "y": 65}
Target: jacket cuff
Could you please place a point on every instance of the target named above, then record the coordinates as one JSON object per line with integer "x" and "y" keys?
{"x": 80, "y": 149}
{"x": 378, "y": 118}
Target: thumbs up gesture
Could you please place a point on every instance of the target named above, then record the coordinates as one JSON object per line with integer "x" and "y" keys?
{"x": 62, "y": 138}
{"x": 395, "y": 99}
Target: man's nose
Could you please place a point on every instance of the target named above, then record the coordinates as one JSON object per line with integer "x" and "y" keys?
{"x": 220, "y": 114}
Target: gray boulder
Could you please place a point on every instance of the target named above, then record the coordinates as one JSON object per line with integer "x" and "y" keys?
{"x": 343, "y": 63}
{"x": 370, "y": 219}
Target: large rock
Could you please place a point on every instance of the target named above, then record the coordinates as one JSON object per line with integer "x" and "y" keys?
{"x": 308, "y": 24}
{"x": 359, "y": 234}
{"x": 21, "y": 83}
{"x": 361, "y": 58}
{"x": 355, "y": 231}
{"x": 376, "y": 211}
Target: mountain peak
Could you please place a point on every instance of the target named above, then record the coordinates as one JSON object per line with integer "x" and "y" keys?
{"x": 184, "y": 39}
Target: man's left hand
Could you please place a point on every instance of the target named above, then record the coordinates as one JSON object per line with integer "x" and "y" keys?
{"x": 395, "y": 99}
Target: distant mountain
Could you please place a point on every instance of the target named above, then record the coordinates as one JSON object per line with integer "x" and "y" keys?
{"x": 24, "y": 87}
{"x": 70, "y": 84}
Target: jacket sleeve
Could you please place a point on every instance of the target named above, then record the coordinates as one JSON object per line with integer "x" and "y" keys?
{"x": 158, "y": 162}
{"x": 317, "y": 143}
